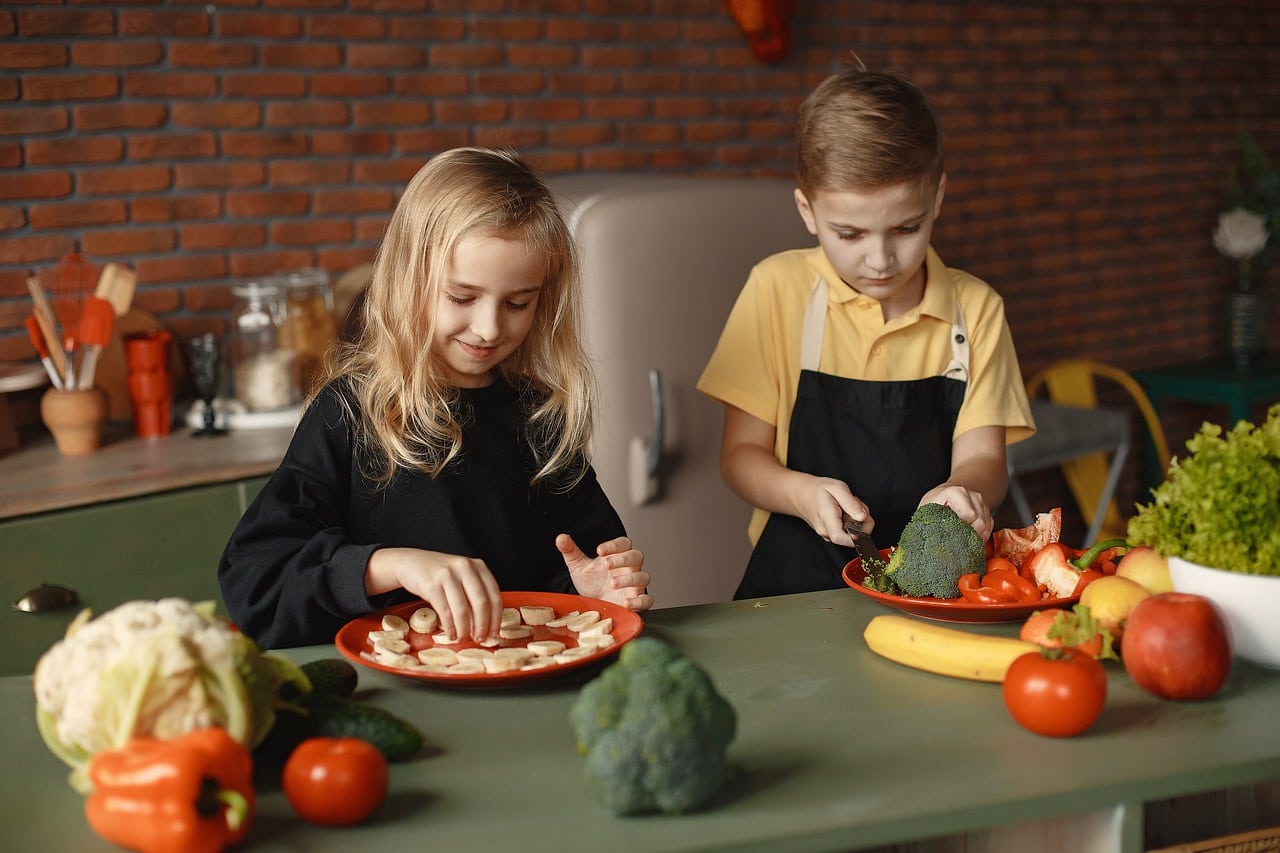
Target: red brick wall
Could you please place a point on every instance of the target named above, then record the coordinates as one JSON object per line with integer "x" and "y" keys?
{"x": 1090, "y": 142}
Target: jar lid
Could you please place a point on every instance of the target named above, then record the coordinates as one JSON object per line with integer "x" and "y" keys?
{"x": 308, "y": 277}
{"x": 266, "y": 287}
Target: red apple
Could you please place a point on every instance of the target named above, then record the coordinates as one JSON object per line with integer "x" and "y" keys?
{"x": 1177, "y": 646}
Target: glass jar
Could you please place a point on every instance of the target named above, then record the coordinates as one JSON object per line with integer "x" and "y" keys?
{"x": 308, "y": 327}
{"x": 263, "y": 375}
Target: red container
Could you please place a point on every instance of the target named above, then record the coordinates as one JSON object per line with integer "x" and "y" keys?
{"x": 148, "y": 352}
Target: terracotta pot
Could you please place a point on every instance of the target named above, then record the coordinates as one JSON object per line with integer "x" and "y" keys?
{"x": 75, "y": 419}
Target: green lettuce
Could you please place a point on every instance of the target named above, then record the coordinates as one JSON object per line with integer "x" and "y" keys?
{"x": 1220, "y": 506}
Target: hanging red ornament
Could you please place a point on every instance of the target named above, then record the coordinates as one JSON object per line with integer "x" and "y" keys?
{"x": 764, "y": 23}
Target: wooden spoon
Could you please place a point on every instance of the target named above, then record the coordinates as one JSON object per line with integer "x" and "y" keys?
{"x": 116, "y": 285}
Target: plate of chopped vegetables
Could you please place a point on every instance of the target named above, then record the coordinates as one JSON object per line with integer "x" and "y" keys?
{"x": 543, "y": 634}
{"x": 949, "y": 609}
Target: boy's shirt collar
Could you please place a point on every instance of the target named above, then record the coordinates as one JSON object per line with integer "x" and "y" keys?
{"x": 939, "y": 292}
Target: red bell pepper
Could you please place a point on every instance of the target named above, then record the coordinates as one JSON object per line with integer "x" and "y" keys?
{"x": 1058, "y": 568}
{"x": 192, "y": 793}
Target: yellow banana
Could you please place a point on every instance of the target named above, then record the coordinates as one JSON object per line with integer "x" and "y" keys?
{"x": 946, "y": 651}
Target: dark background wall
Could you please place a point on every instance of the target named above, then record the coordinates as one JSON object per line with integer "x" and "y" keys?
{"x": 1089, "y": 143}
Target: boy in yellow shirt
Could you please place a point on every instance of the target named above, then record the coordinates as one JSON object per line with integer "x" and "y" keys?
{"x": 862, "y": 378}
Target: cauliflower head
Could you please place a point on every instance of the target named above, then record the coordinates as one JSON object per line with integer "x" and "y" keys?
{"x": 654, "y": 730}
{"x": 159, "y": 668}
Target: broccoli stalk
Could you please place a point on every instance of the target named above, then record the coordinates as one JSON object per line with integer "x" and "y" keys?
{"x": 654, "y": 731}
{"x": 935, "y": 549}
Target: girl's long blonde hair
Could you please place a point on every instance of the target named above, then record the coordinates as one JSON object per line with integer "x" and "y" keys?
{"x": 407, "y": 404}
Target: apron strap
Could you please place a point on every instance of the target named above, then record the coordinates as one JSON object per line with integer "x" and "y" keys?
{"x": 815, "y": 318}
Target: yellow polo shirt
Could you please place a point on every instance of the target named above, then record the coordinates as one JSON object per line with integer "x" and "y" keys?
{"x": 756, "y": 364}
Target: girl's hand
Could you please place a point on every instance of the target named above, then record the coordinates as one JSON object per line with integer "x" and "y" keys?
{"x": 967, "y": 503}
{"x": 461, "y": 590}
{"x": 616, "y": 574}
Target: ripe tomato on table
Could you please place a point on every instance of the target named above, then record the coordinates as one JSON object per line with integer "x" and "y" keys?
{"x": 335, "y": 781}
{"x": 1055, "y": 692}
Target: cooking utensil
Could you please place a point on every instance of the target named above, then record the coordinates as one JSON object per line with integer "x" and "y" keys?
{"x": 116, "y": 285}
{"x": 96, "y": 321}
{"x": 42, "y": 350}
{"x": 43, "y": 311}
{"x": 862, "y": 541}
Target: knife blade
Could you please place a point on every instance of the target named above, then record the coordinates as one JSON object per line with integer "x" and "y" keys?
{"x": 867, "y": 549}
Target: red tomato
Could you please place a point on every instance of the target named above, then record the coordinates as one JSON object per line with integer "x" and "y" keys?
{"x": 1055, "y": 692}
{"x": 335, "y": 781}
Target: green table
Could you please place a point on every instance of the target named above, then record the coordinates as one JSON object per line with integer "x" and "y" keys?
{"x": 837, "y": 749}
{"x": 1218, "y": 382}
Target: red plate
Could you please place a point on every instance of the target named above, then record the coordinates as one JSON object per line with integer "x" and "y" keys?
{"x": 353, "y": 638}
{"x": 950, "y": 609}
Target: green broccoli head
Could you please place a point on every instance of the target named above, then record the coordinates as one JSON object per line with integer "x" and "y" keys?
{"x": 654, "y": 730}
{"x": 935, "y": 549}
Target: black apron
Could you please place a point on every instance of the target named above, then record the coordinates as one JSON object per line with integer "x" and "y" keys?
{"x": 889, "y": 441}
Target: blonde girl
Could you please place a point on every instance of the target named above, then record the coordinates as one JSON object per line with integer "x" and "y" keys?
{"x": 446, "y": 457}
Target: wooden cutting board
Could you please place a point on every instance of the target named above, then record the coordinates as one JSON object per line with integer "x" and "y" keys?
{"x": 112, "y": 374}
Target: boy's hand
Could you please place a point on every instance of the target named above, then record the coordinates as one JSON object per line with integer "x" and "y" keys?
{"x": 616, "y": 574}
{"x": 967, "y": 503}
{"x": 824, "y": 503}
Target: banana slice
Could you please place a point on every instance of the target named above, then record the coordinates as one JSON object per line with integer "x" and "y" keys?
{"x": 575, "y": 653}
{"x": 536, "y": 614}
{"x": 510, "y": 616}
{"x": 438, "y": 657}
{"x": 595, "y": 641}
{"x": 563, "y": 620}
{"x": 546, "y": 648}
{"x": 516, "y": 632}
{"x": 443, "y": 639}
{"x": 474, "y": 654}
{"x": 490, "y": 642}
{"x": 496, "y": 664}
{"x": 514, "y": 653}
{"x": 583, "y": 620}
{"x": 424, "y": 620}
{"x": 391, "y": 622}
{"x": 604, "y": 626}
{"x": 396, "y": 659}
{"x": 466, "y": 668}
{"x": 537, "y": 663}
{"x": 396, "y": 646}
{"x": 377, "y": 636}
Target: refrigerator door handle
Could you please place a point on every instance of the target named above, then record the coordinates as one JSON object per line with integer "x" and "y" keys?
{"x": 646, "y": 456}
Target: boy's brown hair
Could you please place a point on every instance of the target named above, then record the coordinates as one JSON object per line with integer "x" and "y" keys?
{"x": 863, "y": 130}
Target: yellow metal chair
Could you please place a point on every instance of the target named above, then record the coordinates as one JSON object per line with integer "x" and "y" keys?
{"x": 1073, "y": 382}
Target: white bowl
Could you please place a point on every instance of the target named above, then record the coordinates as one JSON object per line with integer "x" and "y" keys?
{"x": 1249, "y": 603}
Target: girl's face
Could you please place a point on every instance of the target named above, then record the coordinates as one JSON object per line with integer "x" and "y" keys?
{"x": 486, "y": 306}
{"x": 876, "y": 241}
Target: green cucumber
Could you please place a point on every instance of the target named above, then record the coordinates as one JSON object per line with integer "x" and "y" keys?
{"x": 326, "y": 715}
{"x": 333, "y": 676}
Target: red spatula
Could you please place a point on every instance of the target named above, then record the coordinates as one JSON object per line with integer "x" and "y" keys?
{"x": 42, "y": 350}
{"x": 97, "y": 317}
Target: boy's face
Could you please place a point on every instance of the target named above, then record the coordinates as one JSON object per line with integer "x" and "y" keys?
{"x": 486, "y": 306}
{"x": 877, "y": 241}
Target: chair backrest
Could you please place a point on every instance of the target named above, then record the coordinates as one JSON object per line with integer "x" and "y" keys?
{"x": 1072, "y": 382}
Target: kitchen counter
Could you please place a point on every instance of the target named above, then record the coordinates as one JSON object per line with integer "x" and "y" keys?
{"x": 36, "y": 478}
{"x": 836, "y": 749}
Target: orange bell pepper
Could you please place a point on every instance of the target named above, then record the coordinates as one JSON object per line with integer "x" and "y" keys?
{"x": 192, "y": 793}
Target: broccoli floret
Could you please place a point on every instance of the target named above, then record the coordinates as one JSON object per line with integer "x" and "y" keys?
{"x": 935, "y": 549}
{"x": 654, "y": 730}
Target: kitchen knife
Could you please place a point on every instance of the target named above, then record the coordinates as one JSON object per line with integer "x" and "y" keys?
{"x": 866, "y": 547}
